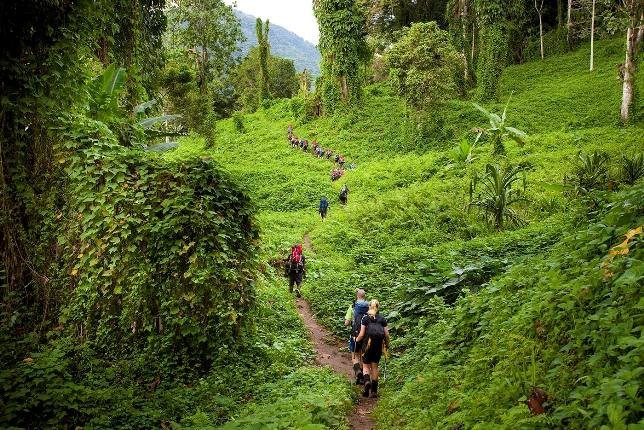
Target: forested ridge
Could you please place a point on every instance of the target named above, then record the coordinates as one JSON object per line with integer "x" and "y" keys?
{"x": 149, "y": 194}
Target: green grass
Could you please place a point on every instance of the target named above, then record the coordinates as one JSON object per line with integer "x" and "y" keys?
{"x": 407, "y": 224}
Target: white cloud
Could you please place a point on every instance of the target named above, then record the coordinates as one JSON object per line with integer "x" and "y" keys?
{"x": 294, "y": 15}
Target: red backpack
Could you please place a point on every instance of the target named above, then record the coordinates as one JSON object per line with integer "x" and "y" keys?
{"x": 296, "y": 254}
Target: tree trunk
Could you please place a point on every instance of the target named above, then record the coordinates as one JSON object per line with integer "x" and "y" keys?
{"x": 569, "y": 22}
{"x": 559, "y": 13}
{"x": 592, "y": 38}
{"x": 473, "y": 43}
{"x": 633, "y": 36}
{"x": 465, "y": 40}
{"x": 344, "y": 88}
{"x": 539, "y": 10}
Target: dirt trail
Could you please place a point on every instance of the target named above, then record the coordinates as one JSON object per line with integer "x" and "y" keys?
{"x": 329, "y": 352}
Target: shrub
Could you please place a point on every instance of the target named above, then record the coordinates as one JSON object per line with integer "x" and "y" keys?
{"x": 498, "y": 195}
{"x": 423, "y": 64}
{"x": 631, "y": 168}
{"x": 591, "y": 172}
{"x": 161, "y": 255}
{"x": 238, "y": 122}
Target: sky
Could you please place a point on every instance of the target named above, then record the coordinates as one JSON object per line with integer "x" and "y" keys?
{"x": 294, "y": 15}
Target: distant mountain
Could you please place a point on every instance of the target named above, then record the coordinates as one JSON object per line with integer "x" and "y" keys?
{"x": 284, "y": 44}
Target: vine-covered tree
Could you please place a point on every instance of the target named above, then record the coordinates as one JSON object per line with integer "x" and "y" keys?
{"x": 343, "y": 48}
{"x": 423, "y": 65}
{"x": 493, "y": 46}
{"x": 461, "y": 17}
{"x": 264, "y": 52}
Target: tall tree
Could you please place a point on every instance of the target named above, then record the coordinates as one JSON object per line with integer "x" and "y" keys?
{"x": 461, "y": 16}
{"x": 592, "y": 37}
{"x": 538, "y": 5}
{"x": 211, "y": 31}
{"x": 264, "y": 52}
{"x": 343, "y": 48}
{"x": 634, "y": 35}
{"x": 491, "y": 17}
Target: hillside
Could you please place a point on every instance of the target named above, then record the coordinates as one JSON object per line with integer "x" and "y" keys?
{"x": 533, "y": 308}
{"x": 284, "y": 44}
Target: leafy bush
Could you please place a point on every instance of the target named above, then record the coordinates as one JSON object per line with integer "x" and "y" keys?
{"x": 462, "y": 153}
{"x": 591, "y": 172}
{"x": 238, "y": 121}
{"x": 161, "y": 255}
{"x": 632, "y": 168}
{"x": 423, "y": 65}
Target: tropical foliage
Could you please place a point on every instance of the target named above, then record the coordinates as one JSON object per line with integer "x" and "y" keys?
{"x": 138, "y": 286}
{"x": 423, "y": 66}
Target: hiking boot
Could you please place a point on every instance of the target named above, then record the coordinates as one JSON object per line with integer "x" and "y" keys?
{"x": 367, "y": 386}
{"x": 358, "y": 372}
{"x": 297, "y": 293}
{"x": 374, "y": 388}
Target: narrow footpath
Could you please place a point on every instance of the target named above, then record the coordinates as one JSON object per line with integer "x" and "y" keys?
{"x": 329, "y": 352}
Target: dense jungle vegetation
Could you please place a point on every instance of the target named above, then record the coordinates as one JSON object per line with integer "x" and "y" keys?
{"x": 148, "y": 194}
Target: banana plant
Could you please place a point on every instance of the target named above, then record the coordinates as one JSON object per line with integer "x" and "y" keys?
{"x": 498, "y": 130}
{"x": 498, "y": 195}
{"x": 104, "y": 91}
{"x": 463, "y": 152}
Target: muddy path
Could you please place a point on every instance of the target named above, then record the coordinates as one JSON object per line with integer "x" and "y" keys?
{"x": 330, "y": 352}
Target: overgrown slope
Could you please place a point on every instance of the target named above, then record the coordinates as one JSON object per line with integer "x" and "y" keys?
{"x": 407, "y": 233}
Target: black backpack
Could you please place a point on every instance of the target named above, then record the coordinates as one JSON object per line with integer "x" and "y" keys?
{"x": 360, "y": 309}
{"x": 375, "y": 330}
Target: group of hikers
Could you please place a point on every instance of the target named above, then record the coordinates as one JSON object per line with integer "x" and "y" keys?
{"x": 319, "y": 152}
{"x": 369, "y": 338}
{"x": 324, "y": 202}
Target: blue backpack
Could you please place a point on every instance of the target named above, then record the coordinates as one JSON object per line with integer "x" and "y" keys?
{"x": 360, "y": 309}
{"x": 324, "y": 204}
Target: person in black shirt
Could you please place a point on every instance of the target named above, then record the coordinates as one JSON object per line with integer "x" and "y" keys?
{"x": 376, "y": 336}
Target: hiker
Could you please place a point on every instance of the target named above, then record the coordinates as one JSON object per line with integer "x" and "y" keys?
{"x": 375, "y": 337}
{"x": 294, "y": 268}
{"x": 324, "y": 207}
{"x": 344, "y": 194}
{"x": 305, "y": 147}
{"x": 289, "y": 130}
{"x": 356, "y": 311}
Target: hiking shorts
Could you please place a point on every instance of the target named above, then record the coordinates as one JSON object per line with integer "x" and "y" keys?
{"x": 294, "y": 278}
{"x": 373, "y": 354}
{"x": 323, "y": 213}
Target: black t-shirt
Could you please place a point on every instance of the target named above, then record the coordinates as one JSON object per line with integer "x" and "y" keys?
{"x": 366, "y": 320}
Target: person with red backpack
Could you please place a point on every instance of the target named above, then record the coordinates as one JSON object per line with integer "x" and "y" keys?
{"x": 375, "y": 335}
{"x": 356, "y": 311}
{"x": 294, "y": 268}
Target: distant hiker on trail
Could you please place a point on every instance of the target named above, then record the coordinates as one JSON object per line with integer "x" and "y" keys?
{"x": 289, "y": 130}
{"x": 375, "y": 337}
{"x": 324, "y": 207}
{"x": 356, "y": 311}
{"x": 336, "y": 174}
{"x": 344, "y": 194}
{"x": 294, "y": 268}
